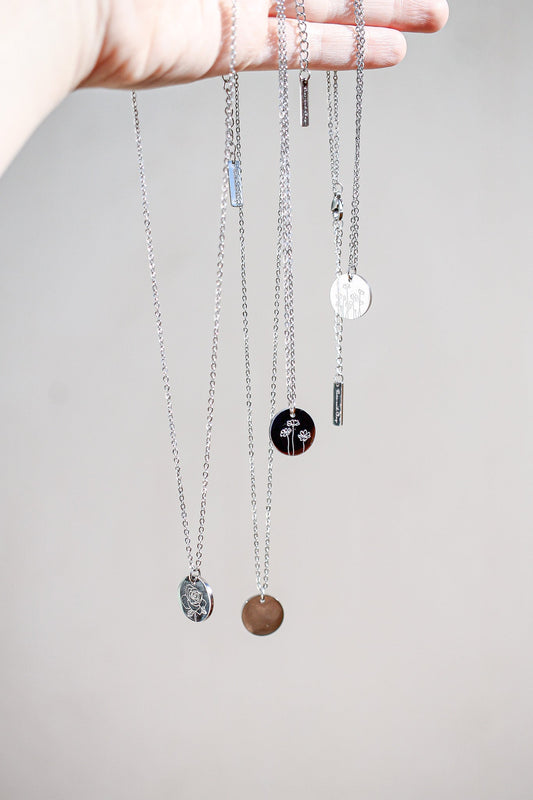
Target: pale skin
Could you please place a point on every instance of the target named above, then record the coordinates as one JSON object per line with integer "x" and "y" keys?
{"x": 52, "y": 47}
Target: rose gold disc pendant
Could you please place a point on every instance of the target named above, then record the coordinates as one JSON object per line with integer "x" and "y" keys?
{"x": 262, "y": 617}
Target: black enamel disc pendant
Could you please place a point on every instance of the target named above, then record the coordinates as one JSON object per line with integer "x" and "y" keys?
{"x": 196, "y": 598}
{"x": 292, "y": 434}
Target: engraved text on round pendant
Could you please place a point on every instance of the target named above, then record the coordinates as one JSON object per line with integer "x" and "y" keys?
{"x": 196, "y": 599}
{"x": 262, "y": 618}
{"x": 350, "y": 298}
{"x": 292, "y": 435}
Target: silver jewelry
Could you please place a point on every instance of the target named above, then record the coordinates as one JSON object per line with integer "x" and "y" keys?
{"x": 262, "y": 614}
{"x": 283, "y": 424}
{"x": 350, "y": 294}
{"x": 304, "y": 62}
{"x": 195, "y": 593}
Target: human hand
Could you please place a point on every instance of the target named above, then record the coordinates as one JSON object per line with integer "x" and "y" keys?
{"x": 50, "y": 47}
{"x": 147, "y": 43}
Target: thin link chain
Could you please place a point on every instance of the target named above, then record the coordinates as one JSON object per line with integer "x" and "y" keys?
{"x": 353, "y": 255}
{"x": 332, "y": 82}
{"x": 303, "y": 38}
{"x": 216, "y": 331}
{"x": 286, "y": 210}
{"x": 262, "y": 580}
{"x": 246, "y": 338}
{"x": 160, "y": 336}
{"x": 273, "y": 404}
{"x": 195, "y": 562}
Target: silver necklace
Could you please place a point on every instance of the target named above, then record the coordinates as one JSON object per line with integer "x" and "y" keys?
{"x": 350, "y": 294}
{"x": 196, "y": 595}
{"x": 261, "y": 614}
{"x": 292, "y": 430}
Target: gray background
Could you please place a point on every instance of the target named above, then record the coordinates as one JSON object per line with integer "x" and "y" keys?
{"x": 402, "y": 547}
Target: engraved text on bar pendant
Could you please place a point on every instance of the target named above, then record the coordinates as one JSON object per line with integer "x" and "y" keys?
{"x": 235, "y": 183}
{"x": 338, "y": 403}
{"x": 304, "y": 102}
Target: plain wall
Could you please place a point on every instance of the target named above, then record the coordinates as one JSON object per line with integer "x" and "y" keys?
{"x": 402, "y": 544}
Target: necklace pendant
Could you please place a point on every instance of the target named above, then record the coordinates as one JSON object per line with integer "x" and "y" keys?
{"x": 235, "y": 183}
{"x": 338, "y": 403}
{"x": 262, "y": 616}
{"x": 304, "y": 100}
{"x": 196, "y": 598}
{"x": 350, "y": 297}
{"x": 292, "y": 432}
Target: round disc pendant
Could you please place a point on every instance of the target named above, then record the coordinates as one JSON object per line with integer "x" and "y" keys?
{"x": 292, "y": 435}
{"x": 262, "y": 618}
{"x": 196, "y": 599}
{"x": 350, "y": 298}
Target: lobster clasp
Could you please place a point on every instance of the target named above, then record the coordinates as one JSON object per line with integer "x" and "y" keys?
{"x": 337, "y": 208}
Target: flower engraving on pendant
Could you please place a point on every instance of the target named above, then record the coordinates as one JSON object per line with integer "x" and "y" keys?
{"x": 196, "y": 599}
{"x": 350, "y": 297}
{"x": 291, "y": 424}
{"x": 292, "y": 435}
{"x": 304, "y": 436}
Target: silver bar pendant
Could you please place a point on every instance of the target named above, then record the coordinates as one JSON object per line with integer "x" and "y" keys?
{"x": 304, "y": 102}
{"x": 338, "y": 403}
{"x": 235, "y": 183}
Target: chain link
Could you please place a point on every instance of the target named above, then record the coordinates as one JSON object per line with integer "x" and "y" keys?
{"x": 332, "y": 83}
{"x": 194, "y": 561}
{"x": 262, "y": 573}
{"x": 303, "y": 38}
{"x": 353, "y": 255}
{"x": 286, "y": 209}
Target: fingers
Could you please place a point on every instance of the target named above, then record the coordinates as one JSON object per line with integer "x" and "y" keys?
{"x": 423, "y": 16}
{"x": 331, "y": 47}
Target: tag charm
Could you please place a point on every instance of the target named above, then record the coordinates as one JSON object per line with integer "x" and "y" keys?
{"x": 338, "y": 403}
{"x": 304, "y": 101}
{"x": 235, "y": 183}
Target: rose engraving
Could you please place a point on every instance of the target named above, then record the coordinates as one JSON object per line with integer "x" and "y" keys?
{"x": 194, "y": 602}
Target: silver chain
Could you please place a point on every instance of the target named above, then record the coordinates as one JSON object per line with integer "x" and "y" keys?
{"x": 332, "y": 82}
{"x": 262, "y": 572}
{"x": 303, "y": 38}
{"x": 194, "y": 561}
{"x": 353, "y": 254}
{"x": 286, "y": 208}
